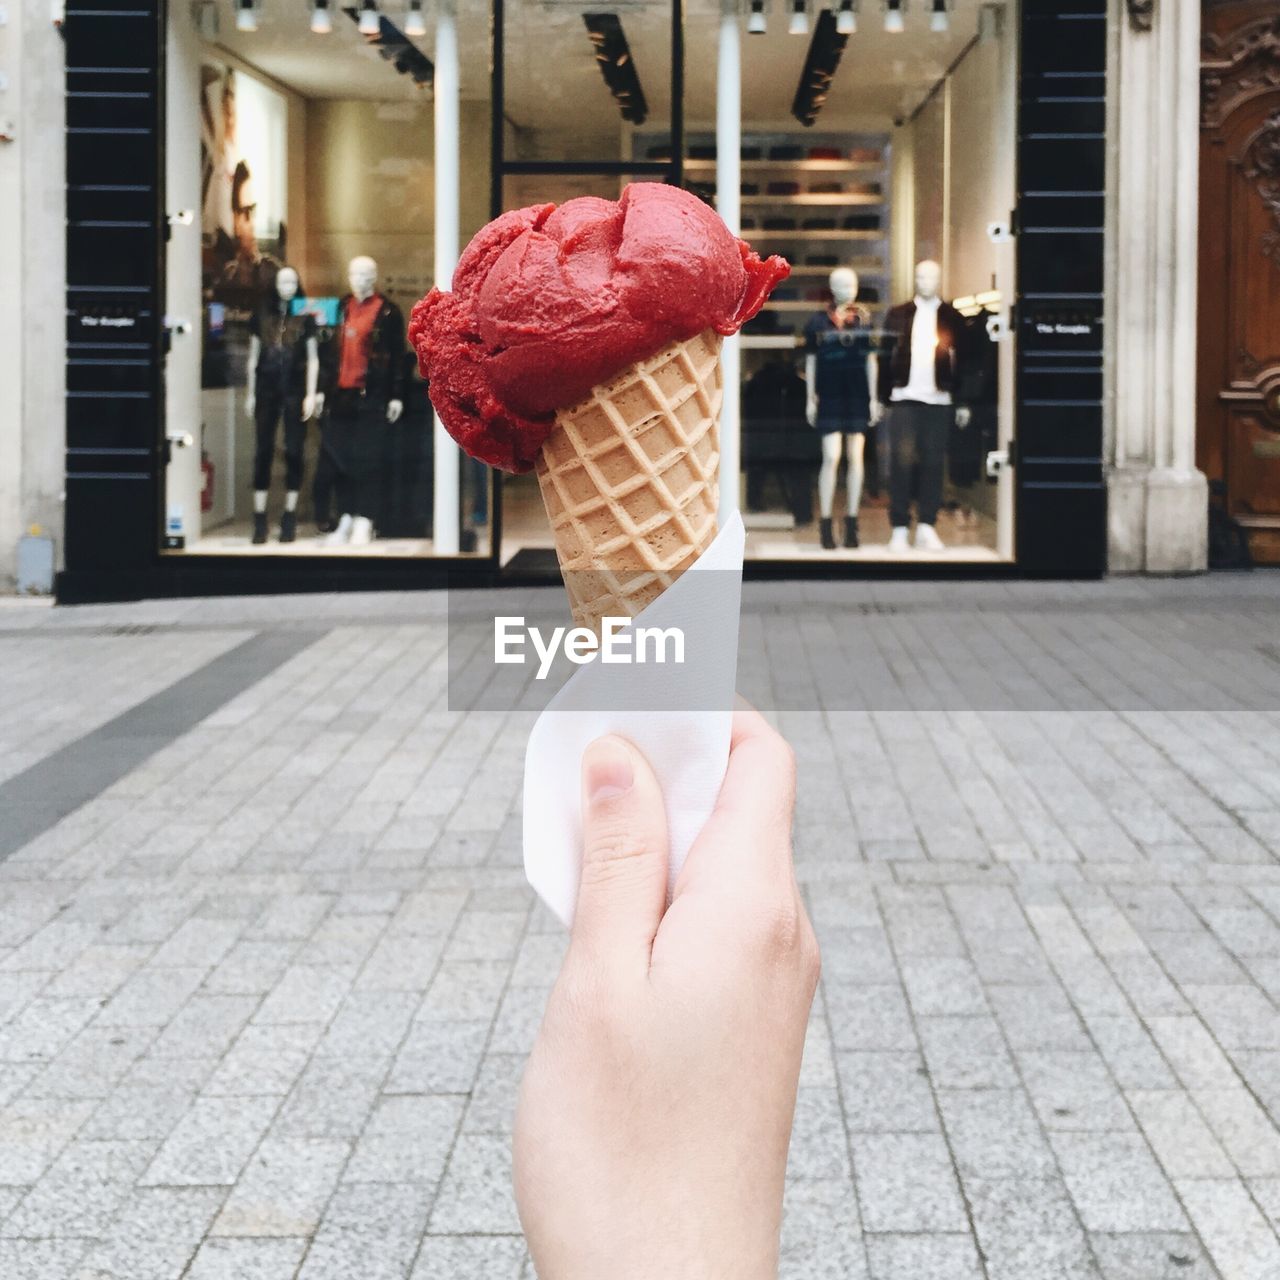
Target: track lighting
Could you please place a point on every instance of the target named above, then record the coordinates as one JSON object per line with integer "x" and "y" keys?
{"x": 939, "y": 20}
{"x": 321, "y": 20}
{"x": 799, "y": 24}
{"x": 369, "y": 24}
{"x": 246, "y": 15}
{"x": 846, "y": 18}
{"x": 756, "y": 19}
{"x": 415, "y": 24}
{"x": 893, "y": 16}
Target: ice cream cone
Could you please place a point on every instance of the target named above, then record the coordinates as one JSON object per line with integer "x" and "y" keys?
{"x": 628, "y": 478}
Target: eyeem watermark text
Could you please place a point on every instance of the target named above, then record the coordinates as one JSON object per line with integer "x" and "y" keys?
{"x": 617, "y": 642}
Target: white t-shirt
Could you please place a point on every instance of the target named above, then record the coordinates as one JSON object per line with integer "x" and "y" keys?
{"x": 922, "y": 383}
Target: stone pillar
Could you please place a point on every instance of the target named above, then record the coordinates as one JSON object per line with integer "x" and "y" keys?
{"x": 33, "y": 267}
{"x": 1157, "y": 500}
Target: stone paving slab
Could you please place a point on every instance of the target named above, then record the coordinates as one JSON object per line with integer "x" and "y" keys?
{"x": 265, "y": 999}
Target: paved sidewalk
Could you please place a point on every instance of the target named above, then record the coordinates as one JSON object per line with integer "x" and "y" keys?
{"x": 267, "y": 979}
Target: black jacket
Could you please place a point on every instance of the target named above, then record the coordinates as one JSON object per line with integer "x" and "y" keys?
{"x": 384, "y": 379}
{"x": 951, "y": 366}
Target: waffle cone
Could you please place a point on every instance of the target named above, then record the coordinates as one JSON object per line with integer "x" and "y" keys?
{"x": 628, "y": 478}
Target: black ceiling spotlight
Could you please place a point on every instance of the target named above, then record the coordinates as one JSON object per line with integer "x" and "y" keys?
{"x": 614, "y": 56}
{"x": 394, "y": 46}
{"x": 825, "y": 51}
{"x": 756, "y": 22}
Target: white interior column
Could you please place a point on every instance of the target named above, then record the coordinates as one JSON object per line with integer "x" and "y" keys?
{"x": 1157, "y": 500}
{"x": 729, "y": 203}
{"x": 444, "y": 525}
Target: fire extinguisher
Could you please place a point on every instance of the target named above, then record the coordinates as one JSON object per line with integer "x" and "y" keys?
{"x": 206, "y": 492}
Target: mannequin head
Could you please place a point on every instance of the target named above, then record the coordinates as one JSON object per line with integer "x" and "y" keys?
{"x": 286, "y": 284}
{"x": 843, "y": 282}
{"x": 362, "y": 276}
{"x": 928, "y": 279}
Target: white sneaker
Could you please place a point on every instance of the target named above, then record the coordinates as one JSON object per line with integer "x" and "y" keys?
{"x": 340, "y": 536}
{"x": 361, "y": 531}
{"x": 927, "y": 539}
{"x": 900, "y": 540}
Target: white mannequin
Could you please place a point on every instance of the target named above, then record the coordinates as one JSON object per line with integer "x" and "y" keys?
{"x": 843, "y": 282}
{"x": 928, "y": 282}
{"x": 357, "y": 531}
{"x": 312, "y": 401}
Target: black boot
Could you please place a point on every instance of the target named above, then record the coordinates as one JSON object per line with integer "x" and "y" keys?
{"x": 259, "y": 528}
{"x": 288, "y": 526}
{"x": 824, "y": 532}
{"x": 850, "y": 532}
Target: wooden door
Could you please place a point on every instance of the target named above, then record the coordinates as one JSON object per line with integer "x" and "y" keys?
{"x": 1238, "y": 411}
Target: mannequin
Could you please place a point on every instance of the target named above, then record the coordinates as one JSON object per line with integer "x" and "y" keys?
{"x": 284, "y": 369}
{"x": 923, "y": 370}
{"x": 366, "y": 373}
{"x": 840, "y": 369}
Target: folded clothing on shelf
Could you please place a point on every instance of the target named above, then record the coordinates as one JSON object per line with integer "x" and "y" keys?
{"x": 869, "y": 294}
{"x": 821, "y": 260}
{"x": 862, "y": 222}
{"x": 747, "y": 224}
{"x": 659, "y": 151}
{"x": 765, "y": 321}
{"x": 784, "y": 293}
{"x": 865, "y": 155}
{"x": 779, "y": 224}
{"x": 783, "y": 188}
{"x": 702, "y": 153}
{"x": 750, "y": 153}
{"x": 786, "y": 153}
{"x": 749, "y": 189}
{"x": 825, "y": 153}
{"x": 818, "y": 224}
{"x": 825, "y": 189}
{"x": 864, "y": 188}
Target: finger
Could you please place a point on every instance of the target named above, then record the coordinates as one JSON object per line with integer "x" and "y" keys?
{"x": 746, "y": 843}
{"x": 623, "y": 890}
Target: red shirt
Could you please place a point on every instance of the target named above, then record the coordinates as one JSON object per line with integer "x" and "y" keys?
{"x": 357, "y": 338}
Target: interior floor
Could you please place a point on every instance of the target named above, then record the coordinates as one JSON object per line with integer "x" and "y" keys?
{"x": 235, "y": 538}
{"x": 969, "y": 535}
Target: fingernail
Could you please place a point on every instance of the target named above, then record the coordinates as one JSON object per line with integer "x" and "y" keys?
{"x": 607, "y": 769}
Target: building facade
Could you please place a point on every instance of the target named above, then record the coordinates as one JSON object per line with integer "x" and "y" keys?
{"x": 1019, "y": 146}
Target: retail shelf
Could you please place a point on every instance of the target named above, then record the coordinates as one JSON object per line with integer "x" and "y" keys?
{"x": 801, "y": 166}
{"x": 802, "y": 304}
{"x": 863, "y": 266}
{"x": 758, "y": 234}
{"x": 769, "y": 341}
{"x": 815, "y": 198}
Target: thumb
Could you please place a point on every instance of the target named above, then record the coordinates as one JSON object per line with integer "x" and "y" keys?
{"x": 623, "y": 889}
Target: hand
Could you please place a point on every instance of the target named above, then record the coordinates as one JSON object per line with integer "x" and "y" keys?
{"x": 319, "y": 404}
{"x": 394, "y": 409}
{"x": 250, "y": 404}
{"x": 877, "y": 413}
{"x": 308, "y": 408}
{"x": 654, "y": 1117}
{"x": 962, "y": 417}
{"x": 811, "y": 411}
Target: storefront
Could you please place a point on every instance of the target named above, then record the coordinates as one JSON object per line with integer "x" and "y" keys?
{"x": 249, "y": 180}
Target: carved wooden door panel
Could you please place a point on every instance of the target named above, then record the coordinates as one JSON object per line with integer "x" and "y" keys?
{"x": 1238, "y": 427}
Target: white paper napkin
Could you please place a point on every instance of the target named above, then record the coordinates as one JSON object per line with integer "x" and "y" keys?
{"x": 678, "y": 715}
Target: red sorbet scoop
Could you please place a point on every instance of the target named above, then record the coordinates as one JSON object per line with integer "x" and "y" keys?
{"x": 549, "y": 302}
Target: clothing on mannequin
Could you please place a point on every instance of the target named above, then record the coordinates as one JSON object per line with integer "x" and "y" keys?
{"x": 366, "y": 395}
{"x": 923, "y": 369}
{"x": 840, "y": 368}
{"x": 284, "y": 370}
